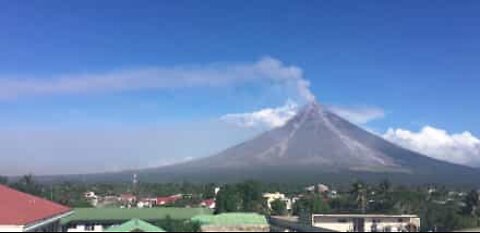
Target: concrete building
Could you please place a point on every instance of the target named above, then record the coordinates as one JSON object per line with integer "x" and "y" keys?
{"x": 21, "y": 212}
{"x": 366, "y": 222}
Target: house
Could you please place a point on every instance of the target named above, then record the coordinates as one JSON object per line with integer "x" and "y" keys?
{"x": 232, "y": 222}
{"x": 320, "y": 188}
{"x": 100, "y": 219}
{"x": 135, "y": 225}
{"x": 127, "y": 198}
{"x": 161, "y": 201}
{"x": 271, "y": 197}
{"x": 91, "y": 197}
{"x": 209, "y": 203}
{"x": 366, "y": 222}
{"x": 147, "y": 203}
{"x": 21, "y": 212}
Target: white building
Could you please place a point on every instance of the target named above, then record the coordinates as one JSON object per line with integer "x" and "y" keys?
{"x": 271, "y": 197}
{"x": 366, "y": 222}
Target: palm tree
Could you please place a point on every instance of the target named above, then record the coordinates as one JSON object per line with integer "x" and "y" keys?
{"x": 359, "y": 191}
{"x": 472, "y": 202}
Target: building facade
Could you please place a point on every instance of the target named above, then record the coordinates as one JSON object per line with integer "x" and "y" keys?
{"x": 366, "y": 223}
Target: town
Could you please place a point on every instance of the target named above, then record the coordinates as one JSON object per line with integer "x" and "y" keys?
{"x": 239, "y": 116}
{"x": 249, "y": 206}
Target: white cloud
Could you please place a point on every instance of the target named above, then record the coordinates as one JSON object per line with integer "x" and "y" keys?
{"x": 277, "y": 117}
{"x": 462, "y": 148}
{"x": 358, "y": 115}
{"x": 211, "y": 75}
{"x": 265, "y": 118}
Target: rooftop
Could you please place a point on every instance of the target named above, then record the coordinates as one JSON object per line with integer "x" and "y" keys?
{"x": 231, "y": 219}
{"x": 135, "y": 225}
{"x": 17, "y": 208}
{"x": 147, "y": 214}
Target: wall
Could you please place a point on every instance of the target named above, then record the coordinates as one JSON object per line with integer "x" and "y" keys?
{"x": 81, "y": 228}
{"x": 339, "y": 223}
{"x": 9, "y": 228}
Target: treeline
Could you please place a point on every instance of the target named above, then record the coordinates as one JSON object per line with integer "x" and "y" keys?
{"x": 440, "y": 208}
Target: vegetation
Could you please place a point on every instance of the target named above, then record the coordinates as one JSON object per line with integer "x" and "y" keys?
{"x": 311, "y": 204}
{"x": 3, "y": 180}
{"x": 440, "y": 208}
{"x": 279, "y": 208}
{"x": 170, "y": 225}
{"x": 243, "y": 197}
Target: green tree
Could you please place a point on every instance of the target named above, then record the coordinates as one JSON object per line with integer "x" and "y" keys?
{"x": 209, "y": 191}
{"x": 242, "y": 197}
{"x": 359, "y": 191}
{"x": 228, "y": 200}
{"x": 314, "y": 204}
{"x": 252, "y": 197}
{"x": 3, "y": 180}
{"x": 472, "y": 202}
{"x": 279, "y": 208}
{"x": 28, "y": 185}
{"x": 385, "y": 187}
{"x": 171, "y": 225}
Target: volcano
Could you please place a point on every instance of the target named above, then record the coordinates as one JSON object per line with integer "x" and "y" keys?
{"x": 315, "y": 145}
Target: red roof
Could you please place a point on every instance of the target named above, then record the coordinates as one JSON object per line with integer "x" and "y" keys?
{"x": 168, "y": 200}
{"x": 208, "y": 202}
{"x": 17, "y": 208}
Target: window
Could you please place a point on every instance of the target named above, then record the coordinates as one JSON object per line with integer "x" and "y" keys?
{"x": 400, "y": 220}
{"x": 342, "y": 220}
{"x": 90, "y": 227}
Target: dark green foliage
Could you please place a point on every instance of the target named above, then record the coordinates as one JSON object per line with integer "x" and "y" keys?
{"x": 28, "y": 185}
{"x": 3, "y": 180}
{"x": 311, "y": 204}
{"x": 209, "y": 191}
{"x": 242, "y": 197}
{"x": 279, "y": 208}
{"x": 170, "y": 225}
{"x": 444, "y": 218}
{"x": 472, "y": 202}
{"x": 359, "y": 191}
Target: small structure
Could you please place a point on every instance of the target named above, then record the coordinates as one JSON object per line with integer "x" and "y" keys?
{"x": 135, "y": 225}
{"x": 127, "y": 199}
{"x": 232, "y": 222}
{"x": 21, "y": 212}
{"x": 147, "y": 203}
{"x": 319, "y": 188}
{"x": 161, "y": 201}
{"x": 271, "y": 197}
{"x": 209, "y": 203}
{"x": 366, "y": 222}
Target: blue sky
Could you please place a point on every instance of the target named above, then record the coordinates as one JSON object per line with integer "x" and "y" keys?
{"x": 415, "y": 61}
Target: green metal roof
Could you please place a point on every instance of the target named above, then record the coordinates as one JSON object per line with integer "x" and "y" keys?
{"x": 146, "y": 214}
{"x": 231, "y": 219}
{"x": 135, "y": 225}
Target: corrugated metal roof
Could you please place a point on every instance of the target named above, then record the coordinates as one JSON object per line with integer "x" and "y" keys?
{"x": 17, "y": 208}
{"x": 146, "y": 214}
{"x": 135, "y": 225}
{"x": 231, "y": 219}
